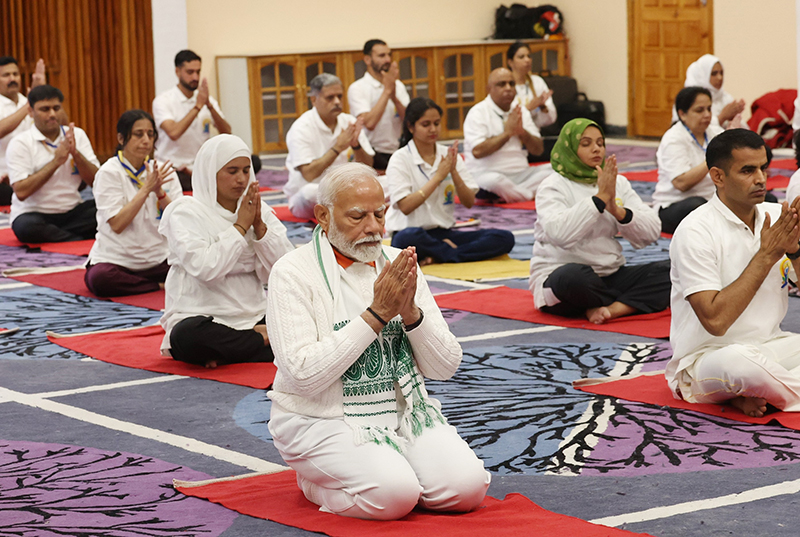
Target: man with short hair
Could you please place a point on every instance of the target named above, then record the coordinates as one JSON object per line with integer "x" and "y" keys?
{"x": 354, "y": 329}
{"x": 498, "y": 135}
{"x": 380, "y": 99}
{"x": 47, "y": 164}
{"x": 184, "y": 115}
{"x": 322, "y": 138}
{"x": 14, "y": 113}
{"x": 731, "y": 261}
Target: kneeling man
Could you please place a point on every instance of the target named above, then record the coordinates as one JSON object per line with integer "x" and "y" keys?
{"x": 731, "y": 261}
{"x": 354, "y": 330}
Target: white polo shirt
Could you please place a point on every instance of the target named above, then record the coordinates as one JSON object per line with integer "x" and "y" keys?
{"x": 27, "y": 154}
{"x": 309, "y": 138}
{"x": 678, "y": 153}
{"x": 407, "y": 173}
{"x": 362, "y": 96}
{"x": 140, "y": 246}
{"x": 485, "y": 120}
{"x": 174, "y": 105}
{"x": 8, "y": 107}
{"x": 526, "y": 95}
{"x": 709, "y": 251}
{"x": 793, "y": 190}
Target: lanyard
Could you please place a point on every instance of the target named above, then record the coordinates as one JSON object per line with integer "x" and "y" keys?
{"x": 51, "y": 145}
{"x": 134, "y": 176}
{"x": 705, "y": 138}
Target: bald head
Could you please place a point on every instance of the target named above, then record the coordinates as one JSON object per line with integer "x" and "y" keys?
{"x": 501, "y": 87}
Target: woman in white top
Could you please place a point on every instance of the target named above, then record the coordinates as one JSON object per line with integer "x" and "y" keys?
{"x": 532, "y": 90}
{"x": 683, "y": 180}
{"x": 223, "y": 242}
{"x": 422, "y": 180}
{"x": 707, "y": 73}
{"x": 129, "y": 255}
{"x": 577, "y": 268}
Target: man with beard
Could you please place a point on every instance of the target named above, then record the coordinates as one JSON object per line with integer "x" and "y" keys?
{"x": 184, "y": 115}
{"x": 380, "y": 99}
{"x": 732, "y": 259}
{"x": 47, "y": 164}
{"x": 498, "y": 136}
{"x": 350, "y": 413}
{"x": 322, "y": 138}
{"x": 14, "y": 113}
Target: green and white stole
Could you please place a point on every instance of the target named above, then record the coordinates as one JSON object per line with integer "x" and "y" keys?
{"x": 383, "y": 393}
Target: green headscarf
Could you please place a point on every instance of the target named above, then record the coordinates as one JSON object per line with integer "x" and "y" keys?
{"x": 564, "y": 157}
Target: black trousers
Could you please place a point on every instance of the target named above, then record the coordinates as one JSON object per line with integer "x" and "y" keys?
{"x": 5, "y": 194}
{"x": 199, "y": 340}
{"x": 381, "y": 160}
{"x": 644, "y": 287}
{"x": 673, "y": 215}
{"x": 78, "y": 224}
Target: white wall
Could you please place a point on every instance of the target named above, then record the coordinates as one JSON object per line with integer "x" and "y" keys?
{"x": 170, "y": 36}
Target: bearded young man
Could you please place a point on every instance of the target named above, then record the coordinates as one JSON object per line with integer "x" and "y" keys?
{"x": 354, "y": 330}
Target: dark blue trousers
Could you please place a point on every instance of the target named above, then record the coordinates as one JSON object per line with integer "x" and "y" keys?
{"x": 472, "y": 245}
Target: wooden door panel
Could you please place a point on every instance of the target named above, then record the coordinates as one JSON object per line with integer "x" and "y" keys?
{"x": 277, "y": 102}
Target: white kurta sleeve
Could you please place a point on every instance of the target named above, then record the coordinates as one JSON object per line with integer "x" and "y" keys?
{"x": 109, "y": 194}
{"x": 162, "y": 111}
{"x": 695, "y": 264}
{"x": 399, "y": 176}
{"x": 564, "y": 224}
{"x": 541, "y": 118}
{"x": 19, "y": 159}
{"x": 358, "y": 99}
{"x": 83, "y": 145}
{"x": 793, "y": 190}
{"x": 273, "y": 245}
{"x": 645, "y": 226}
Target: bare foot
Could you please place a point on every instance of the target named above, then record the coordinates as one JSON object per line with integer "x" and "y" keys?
{"x": 161, "y": 286}
{"x": 598, "y": 315}
{"x": 211, "y": 364}
{"x": 262, "y": 329}
{"x": 425, "y": 261}
{"x": 754, "y": 407}
{"x": 450, "y": 243}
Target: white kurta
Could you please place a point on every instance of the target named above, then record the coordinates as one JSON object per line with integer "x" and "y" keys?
{"x": 407, "y": 173}
{"x": 213, "y": 273}
{"x": 793, "y": 190}
{"x": 362, "y": 95}
{"x": 570, "y": 229}
{"x": 139, "y": 246}
{"x": 8, "y": 107}
{"x": 525, "y": 95}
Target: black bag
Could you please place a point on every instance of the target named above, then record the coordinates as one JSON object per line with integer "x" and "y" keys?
{"x": 582, "y": 107}
{"x": 515, "y": 22}
{"x": 565, "y": 90}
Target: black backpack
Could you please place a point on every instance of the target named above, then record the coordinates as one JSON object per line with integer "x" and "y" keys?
{"x": 521, "y": 22}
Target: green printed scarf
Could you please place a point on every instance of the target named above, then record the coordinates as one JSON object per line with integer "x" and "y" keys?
{"x": 564, "y": 157}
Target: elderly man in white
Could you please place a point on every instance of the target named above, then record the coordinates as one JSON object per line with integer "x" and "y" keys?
{"x": 350, "y": 411}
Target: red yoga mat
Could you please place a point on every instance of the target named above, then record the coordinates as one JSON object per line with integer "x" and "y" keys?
{"x": 517, "y": 304}
{"x": 653, "y": 390}
{"x": 520, "y": 205}
{"x": 140, "y": 348}
{"x": 276, "y": 497}
{"x": 71, "y": 281}
{"x": 285, "y": 215}
{"x": 784, "y": 164}
{"x": 777, "y": 181}
{"x": 7, "y": 238}
{"x": 647, "y": 176}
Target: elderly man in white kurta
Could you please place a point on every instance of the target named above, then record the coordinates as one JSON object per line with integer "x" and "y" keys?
{"x": 497, "y": 139}
{"x": 354, "y": 330}
{"x": 731, "y": 262}
{"x": 322, "y": 138}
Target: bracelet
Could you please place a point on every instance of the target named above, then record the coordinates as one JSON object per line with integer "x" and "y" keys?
{"x": 415, "y": 324}
{"x": 380, "y": 320}
{"x": 356, "y": 148}
{"x": 795, "y": 256}
{"x": 334, "y": 150}
{"x": 240, "y": 227}
{"x": 198, "y": 108}
{"x": 161, "y": 197}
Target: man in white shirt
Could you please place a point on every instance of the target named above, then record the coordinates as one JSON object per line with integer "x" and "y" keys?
{"x": 731, "y": 262}
{"x": 47, "y": 164}
{"x": 321, "y": 139}
{"x": 497, "y": 139}
{"x": 379, "y": 98}
{"x": 184, "y": 115}
{"x": 14, "y": 113}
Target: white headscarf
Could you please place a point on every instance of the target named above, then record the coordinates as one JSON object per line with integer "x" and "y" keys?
{"x": 699, "y": 74}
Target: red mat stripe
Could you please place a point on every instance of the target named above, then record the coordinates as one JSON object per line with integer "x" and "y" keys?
{"x": 7, "y": 238}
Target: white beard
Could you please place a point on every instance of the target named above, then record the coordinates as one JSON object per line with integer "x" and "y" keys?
{"x": 355, "y": 250}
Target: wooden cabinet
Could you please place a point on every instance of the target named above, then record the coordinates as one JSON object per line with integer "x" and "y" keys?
{"x": 453, "y": 76}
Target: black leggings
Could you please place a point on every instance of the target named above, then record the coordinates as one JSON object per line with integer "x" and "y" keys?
{"x": 199, "y": 340}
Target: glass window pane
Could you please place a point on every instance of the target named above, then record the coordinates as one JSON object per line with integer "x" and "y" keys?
{"x": 453, "y": 121}
{"x": 552, "y": 60}
{"x": 422, "y": 90}
{"x": 420, "y": 67}
{"x": 287, "y": 122}
{"x": 287, "y": 102}
{"x": 360, "y": 68}
{"x": 405, "y": 68}
{"x": 496, "y": 61}
{"x": 410, "y": 90}
{"x": 465, "y": 110}
{"x": 269, "y": 104}
{"x": 329, "y": 67}
{"x": 468, "y": 90}
{"x": 451, "y": 92}
{"x": 268, "y": 76}
{"x": 311, "y": 71}
{"x": 466, "y": 65}
{"x": 271, "y": 134}
{"x": 450, "y": 70}
{"x": 536, "y": 61}
{"x": 287, "y": 75}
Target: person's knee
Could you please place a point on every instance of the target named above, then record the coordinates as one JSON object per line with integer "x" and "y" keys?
{"x": 569, "y": 276}
{"x": 461, "y": 489}
{"x": 730, "y": 364}
{"x": 503, "y": 238}
{"x": 183, "y": 338}
{"x": 407, "y": 237}
{"x": 309, "y": 193}
{"x": 100, "y": 280}
{"x": 27, "y": 228}
{"x": 393, "y": 494}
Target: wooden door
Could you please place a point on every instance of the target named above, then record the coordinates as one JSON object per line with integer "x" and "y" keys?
{"x": 664, "y": 37}
{"x": 417, "y": 72}
{"x": 315, "y": 64}
{"x": 277, "y": 103}
{"x": 461, "y": 84}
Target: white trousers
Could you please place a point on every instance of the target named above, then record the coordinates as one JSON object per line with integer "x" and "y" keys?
{"x": 302, "y": 203}
{"x": 438, "y": 471}
{"x": 513, "y": 188}
{"x": 768, "y": 371}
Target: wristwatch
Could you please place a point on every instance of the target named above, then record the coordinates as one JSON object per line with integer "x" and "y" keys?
{"x": 795, "y": 255}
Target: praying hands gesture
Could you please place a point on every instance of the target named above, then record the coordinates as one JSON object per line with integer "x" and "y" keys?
{"x": 249, "y": 213}
{"x": 513, "y": 125}
{"x": 607, "y": 187}
{"x": 394, "y": 291}
{"x": 202, "y": 93}
{"x": 448, "y": 163}
{"x": 390, "y": 78}
{"x": 781, "y": 237}
{"x": 39, "y": 77}
{"x": 156, "y": 177}
{"x": 539, "y": 100}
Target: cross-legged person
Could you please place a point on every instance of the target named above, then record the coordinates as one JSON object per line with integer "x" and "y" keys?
{"x": 129, "y": 256}
{"x": 223, "y": 242}
{"x": 355, "y": 329}
{"x": 423, "y": 179}
{"x": 577, "y": 268}
{"x": 731, "y": 261}
{"x": 47, "y": 165}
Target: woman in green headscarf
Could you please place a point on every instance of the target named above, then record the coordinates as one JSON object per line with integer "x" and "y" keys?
{"x": 577, "y": 267}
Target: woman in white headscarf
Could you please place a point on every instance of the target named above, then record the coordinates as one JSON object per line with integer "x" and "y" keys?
{"x": 223, "y": 242}
{"x": 707, "y": 73}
